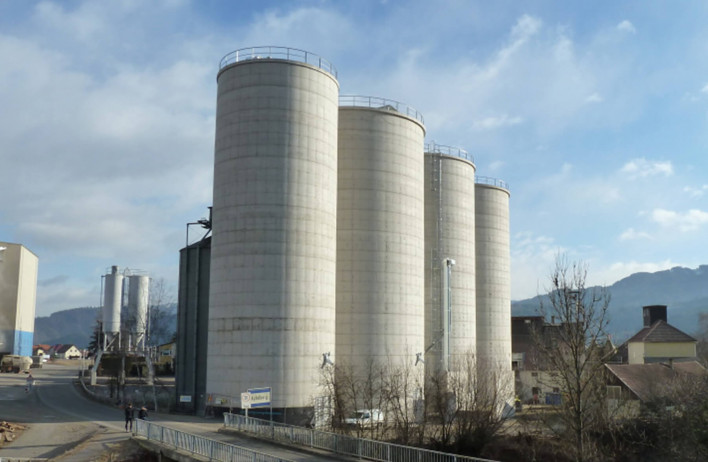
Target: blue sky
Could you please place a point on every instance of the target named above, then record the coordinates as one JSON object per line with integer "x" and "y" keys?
{"x": 595, "y": 113}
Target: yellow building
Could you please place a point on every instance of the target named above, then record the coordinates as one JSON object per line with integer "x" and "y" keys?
{"x": 166, "y": 356}
{"x": 659, "y": 341}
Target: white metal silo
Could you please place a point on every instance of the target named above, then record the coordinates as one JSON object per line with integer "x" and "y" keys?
{"x": 493, "y": 284}
{"x": 380, "y": 233}
{"x": 112, "y": 301}
{"x": 272, "y": 281}
{"x": 138, "y": 296}
{"x": 450, "y": 335}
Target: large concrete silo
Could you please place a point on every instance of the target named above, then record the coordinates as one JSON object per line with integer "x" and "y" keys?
{"x": 493, "y": 284}
{"x": 272, "y": 277}
{"x": 112, "y": 303}
{"x": 450, "y": 335}
{"x": 380, "y": 233}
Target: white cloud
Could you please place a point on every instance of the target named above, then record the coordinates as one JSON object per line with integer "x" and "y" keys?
{"x": 626, "y": 26}
{"x": 532, "y": 257}
{"x": 492, "y": 123}
{"x": 688, "y": 221}
{"x": 705, "y": 88}
{"x": 594, "y": 98}
{"x": 696, "y": 192}
{"x": 642, "y": 168}
{"x": 632, "y": 235}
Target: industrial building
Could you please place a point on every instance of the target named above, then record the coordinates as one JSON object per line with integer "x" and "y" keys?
{"x": 18, "y": 296}
{"x": 337, "y": 237}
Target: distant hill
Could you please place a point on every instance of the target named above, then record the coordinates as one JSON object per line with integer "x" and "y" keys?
{"x": 73, "y": 326}
{"x": 76, "y": 326}
{"x": 683, "y": 290}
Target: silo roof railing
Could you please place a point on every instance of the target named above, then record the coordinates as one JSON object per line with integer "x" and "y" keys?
{"x": 375, "y": 102}
{"x": 452, "y": 151}
{"x": 492, "y": 182}
{"x": 269, "y": 52}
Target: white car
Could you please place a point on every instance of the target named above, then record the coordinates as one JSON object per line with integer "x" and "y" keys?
{"x": 365, "y": 418}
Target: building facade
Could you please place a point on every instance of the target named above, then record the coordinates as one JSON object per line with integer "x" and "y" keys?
{"x": 18, "y": 294}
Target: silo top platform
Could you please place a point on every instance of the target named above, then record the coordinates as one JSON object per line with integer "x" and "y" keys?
{"x": 452, "y": 151}
{"x": 495, "y": 182}
{"x": 375, "y": 102}
{"x": 282, "y": 53}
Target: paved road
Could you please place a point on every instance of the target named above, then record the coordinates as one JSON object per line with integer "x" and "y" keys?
{"x": 60, "y": 419}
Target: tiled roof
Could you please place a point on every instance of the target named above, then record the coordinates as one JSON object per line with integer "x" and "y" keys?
{"x": 661, "y": 332}
{"x": 650, "y": 380}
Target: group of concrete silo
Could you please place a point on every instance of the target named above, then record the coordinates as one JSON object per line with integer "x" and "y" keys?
{"x": 338, "y": 236}
{"x": 124, "y": 331}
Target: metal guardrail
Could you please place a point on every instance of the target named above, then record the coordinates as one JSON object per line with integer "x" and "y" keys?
{"x": 268, "y": 52}
{"x": 492, "y": 182}
{"x": 452, "y": 151}
{"x": 199, "y": 445}
{"x": 375, "y": 102}
{"x": 340, "y": 444}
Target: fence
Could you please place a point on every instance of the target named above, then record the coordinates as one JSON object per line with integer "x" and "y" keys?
{"x": 340, "y": 444}
{"x": 199, "y": 445}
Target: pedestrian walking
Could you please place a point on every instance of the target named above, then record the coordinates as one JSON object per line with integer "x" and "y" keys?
{"x": 129, "y": 416}
{"x": 30, "y": 383}
{"x": 143, "y": 413}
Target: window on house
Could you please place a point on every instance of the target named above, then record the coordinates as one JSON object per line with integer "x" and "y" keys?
{"x": 614, "y": 392}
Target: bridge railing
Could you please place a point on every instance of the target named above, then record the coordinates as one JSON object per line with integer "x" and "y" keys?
{"x": 200, "y": 445}
{"x": 339, "y": 444}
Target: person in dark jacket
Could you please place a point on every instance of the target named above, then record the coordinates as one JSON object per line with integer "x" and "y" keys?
{"x": 129, "y": 416}
{"x": 143, "y": 413}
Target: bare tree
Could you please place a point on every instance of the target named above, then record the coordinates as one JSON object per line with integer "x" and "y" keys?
{"x": 466, "y": 404}
{"x": 576, "y": 351}
{"x": 160, "y": 308}
{"x": 702, "y": 336}
{"x": 403, "y": 393}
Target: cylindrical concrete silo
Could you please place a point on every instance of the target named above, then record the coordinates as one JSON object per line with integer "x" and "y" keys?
{"x": 112, "y": 301}
{"x": 493, "y": 284}
{"x": 450, "y": 335}
{"x": 138, "y": 295}
{"x": 380, "y": 233}
{"x": 272, "y": 282}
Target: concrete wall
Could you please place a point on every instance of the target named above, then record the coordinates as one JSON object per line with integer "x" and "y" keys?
{"x": 272, "y": 281}
{"x": 18, "y": 294}
{"x": 380, "y": 238}
{"x": 449, "y": 222}
{"x": 493, "y": 283}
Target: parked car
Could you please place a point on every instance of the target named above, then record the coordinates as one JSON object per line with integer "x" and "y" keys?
{"x": 365, "y": 418}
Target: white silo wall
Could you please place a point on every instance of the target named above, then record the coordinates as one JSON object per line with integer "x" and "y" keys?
{"x": 138, "y": 295}
{"x": 493, "y": 283}
{"x": 449, "y": 234}
{"x": 380, "y": 234}
{"x": 112, "y": 298}
{"x": 272, "y": 282}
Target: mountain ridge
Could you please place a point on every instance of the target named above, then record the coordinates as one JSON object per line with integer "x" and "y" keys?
{"x": 683, "y": 290}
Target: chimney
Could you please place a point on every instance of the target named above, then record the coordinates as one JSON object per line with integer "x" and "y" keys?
{"x": 653, "y": 313}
